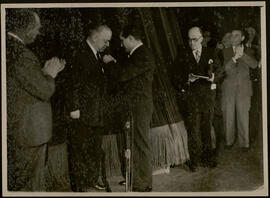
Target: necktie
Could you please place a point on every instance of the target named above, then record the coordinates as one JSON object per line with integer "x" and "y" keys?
{"x": 100, "y": 61}
{"x": 197, "y": 55}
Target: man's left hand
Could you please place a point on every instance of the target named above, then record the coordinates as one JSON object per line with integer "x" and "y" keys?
{"x": 211, "y": 79}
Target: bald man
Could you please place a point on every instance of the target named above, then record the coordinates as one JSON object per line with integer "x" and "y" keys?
{"x": 200, "y": 92}
{"x": 29, "y": 116}
{"x": 89, "y": 90}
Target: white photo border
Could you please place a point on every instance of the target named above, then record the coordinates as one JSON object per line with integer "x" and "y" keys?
{"x": 262, "y": 191}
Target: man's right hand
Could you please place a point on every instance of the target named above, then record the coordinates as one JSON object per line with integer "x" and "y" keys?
{"x": 108, "y": 58}
{"x": 192, "y": 78}
{"x": 53, "y": 66}
{"x": 75, "y": 114}
{"x": 239, "y": 50}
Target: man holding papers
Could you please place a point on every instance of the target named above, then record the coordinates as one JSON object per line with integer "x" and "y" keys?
{"x": 194, "y": 76}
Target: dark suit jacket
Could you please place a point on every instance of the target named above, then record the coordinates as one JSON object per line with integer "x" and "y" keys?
{"x": 29, "y": 117}
{"x": 137, "y": 76}
{"x": 199, "y": 96}
{"x": 89, "y": 86}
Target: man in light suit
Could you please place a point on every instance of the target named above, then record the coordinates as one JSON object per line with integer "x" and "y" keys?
{"x": 237, "y": 90}
{"x": 29, "y": 116}
{"x": 87, "y": 110}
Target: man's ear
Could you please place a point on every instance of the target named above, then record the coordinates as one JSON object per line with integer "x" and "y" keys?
{"x": 95, "y": 36}
{"x": 243, "y": 38}
{"x": 201, "y": 39}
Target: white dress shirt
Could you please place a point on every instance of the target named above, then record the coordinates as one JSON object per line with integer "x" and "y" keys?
{"x": 92, "y": 48}
{"x": 132, "y": 51}
{"x": 199, "y": 53}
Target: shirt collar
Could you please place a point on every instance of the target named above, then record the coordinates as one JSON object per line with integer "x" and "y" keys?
{"x": 132, "y": 51}
{"x": 200, "y": 49}
{"x": 15, "y": 36}
{"x": 92, "y": 48}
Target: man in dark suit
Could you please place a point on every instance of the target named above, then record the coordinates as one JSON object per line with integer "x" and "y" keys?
{"x": 136, "y": 82}
{"x": 200, "y": 94}
{"x": 89, "y": 89}
{"x": 29, "y": 116}
{"x": 237, "y": 90}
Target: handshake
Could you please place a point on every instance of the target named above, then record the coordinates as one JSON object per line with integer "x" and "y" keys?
{"x": 53, "y": 66}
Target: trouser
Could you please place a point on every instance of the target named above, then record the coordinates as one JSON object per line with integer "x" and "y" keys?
{"x": 85, "y": 155}
{"x": 121, "y": 146}
{"x": 26, "y": 167}
{"x": 199, "y": 137}
{"x": 255, "y": 113}
{"x": 218, "y": 121}
{"x": 236, "y": 105}
{"x": 141, "y": 167}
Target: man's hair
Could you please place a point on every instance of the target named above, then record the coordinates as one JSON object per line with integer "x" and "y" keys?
{"x": 97, "y": 28}
{"x": 239, "y": 29}
{"x": 243, "y": 33}
{"x": 18, "y": 19}
{"x": 132, "y": 30}
{"x": 198, "y": 28}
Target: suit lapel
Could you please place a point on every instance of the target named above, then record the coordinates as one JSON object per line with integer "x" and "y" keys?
{"x": 92, "y": 57}
{"x": 203, "y": 55}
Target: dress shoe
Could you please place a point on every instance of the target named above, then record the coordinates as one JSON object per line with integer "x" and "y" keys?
{"x": 140, "y": 189}
{"x": 212, "y": 164}
{"x": 122, "y": 183}
{"x": 228, "y": 147}
{"x": 99, "y": 186}
{"x": 191, "y": 166}
{"x": 244, "y": 149}
{"x": 172, "y": 165}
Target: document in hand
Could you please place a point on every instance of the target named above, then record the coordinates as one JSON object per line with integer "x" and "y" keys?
{"x": 199, "y": 76}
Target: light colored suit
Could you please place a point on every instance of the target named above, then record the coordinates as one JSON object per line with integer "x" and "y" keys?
{"x": 29, "y": 117}
{"x": 236, "y": 93}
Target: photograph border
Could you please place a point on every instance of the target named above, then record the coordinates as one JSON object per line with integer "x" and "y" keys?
{"x": 263, "y": 190}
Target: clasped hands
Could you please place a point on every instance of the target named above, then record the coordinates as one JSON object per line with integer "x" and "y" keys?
{"x": 53, "y": 66}
{"x": 239, "y": 51}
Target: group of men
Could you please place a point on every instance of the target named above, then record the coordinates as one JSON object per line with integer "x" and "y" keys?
{"x": 197, "y": 73}
{"x": 30, "y": 87}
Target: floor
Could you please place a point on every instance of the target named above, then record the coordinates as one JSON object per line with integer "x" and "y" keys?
{"x": 236, "y": 171}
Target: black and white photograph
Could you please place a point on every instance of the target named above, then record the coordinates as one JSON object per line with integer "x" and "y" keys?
{"x": 134, "y": 99}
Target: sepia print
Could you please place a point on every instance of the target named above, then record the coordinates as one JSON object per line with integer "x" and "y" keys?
{"x": 145, "y": 99}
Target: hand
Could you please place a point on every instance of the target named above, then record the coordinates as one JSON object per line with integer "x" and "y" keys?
{"x": 75, "y": 114}
{"x": 239, "y": 50}
{"x": 220, "y": 46}
{"x": 192, "y": 78}
{"x": 211, "y": 79}
{"x": 62, "y": 65}
{"x": 108, "y": 58}
{"x": 53, "y": 66}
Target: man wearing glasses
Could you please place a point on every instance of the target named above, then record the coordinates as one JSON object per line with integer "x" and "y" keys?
{"x": 194, "y": 78}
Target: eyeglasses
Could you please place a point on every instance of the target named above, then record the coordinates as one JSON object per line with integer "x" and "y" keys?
{"x": 194, "y": 39}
